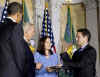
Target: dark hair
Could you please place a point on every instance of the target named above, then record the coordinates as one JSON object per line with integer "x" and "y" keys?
{"x": 14, "y": 8}
{"x": 85, "y": 32}
{"x": 41, "y": 46}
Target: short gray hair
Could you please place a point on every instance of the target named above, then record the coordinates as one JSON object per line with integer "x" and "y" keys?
{"x": 28, "y": 26}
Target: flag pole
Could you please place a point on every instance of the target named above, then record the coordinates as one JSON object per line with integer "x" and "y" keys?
{"x": 46, "y": 7}
{"x": 23, "y": 11}
{"x": 98, "y": 24}
{"x": 7, "y": 1}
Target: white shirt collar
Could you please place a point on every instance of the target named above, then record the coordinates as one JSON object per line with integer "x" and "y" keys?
{"x": 11, "y": 19}
{"x": 24, "y": 38}
{"x": 84, "y": 45}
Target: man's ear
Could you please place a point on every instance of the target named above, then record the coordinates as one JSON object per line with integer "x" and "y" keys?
{"x": 16, "y": 17}
{"x": 86, "y": 38}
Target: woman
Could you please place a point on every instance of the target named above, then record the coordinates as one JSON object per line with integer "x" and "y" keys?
{"x": 45, "y": 58}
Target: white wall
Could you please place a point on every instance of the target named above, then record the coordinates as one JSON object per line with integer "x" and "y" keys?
{"x": 91, "y": 18}
{"x": 39, "y": 11}
{"x": 56, "y": 23}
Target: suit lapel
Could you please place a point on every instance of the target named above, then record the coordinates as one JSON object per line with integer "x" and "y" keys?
{"x": 80, "y": 51}
{"x": 85, "y": 48}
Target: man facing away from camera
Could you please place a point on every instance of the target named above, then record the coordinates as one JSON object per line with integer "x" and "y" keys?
{"x": 13, "y": 55}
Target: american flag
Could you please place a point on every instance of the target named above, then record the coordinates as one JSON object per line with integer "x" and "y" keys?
{"x": 47, "y": 28}
{"x": 4, "y": 12}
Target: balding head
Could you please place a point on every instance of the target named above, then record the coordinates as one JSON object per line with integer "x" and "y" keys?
{"x": 28, "y": 31}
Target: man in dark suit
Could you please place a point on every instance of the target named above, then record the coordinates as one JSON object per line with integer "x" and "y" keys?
{"x": 29, "y": 63}
{"x": 29, "y": 32}
{"x": 83, "y": 60}
{"x": 13, "y": 55}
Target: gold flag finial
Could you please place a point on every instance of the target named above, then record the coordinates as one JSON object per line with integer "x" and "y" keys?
{"x": 46, "y": 4}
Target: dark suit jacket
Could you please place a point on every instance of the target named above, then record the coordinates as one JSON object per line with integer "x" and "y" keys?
{"x": 12, "y": 50}
{"x": 83, "y": 62}
{"x": 29, "y": 63}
